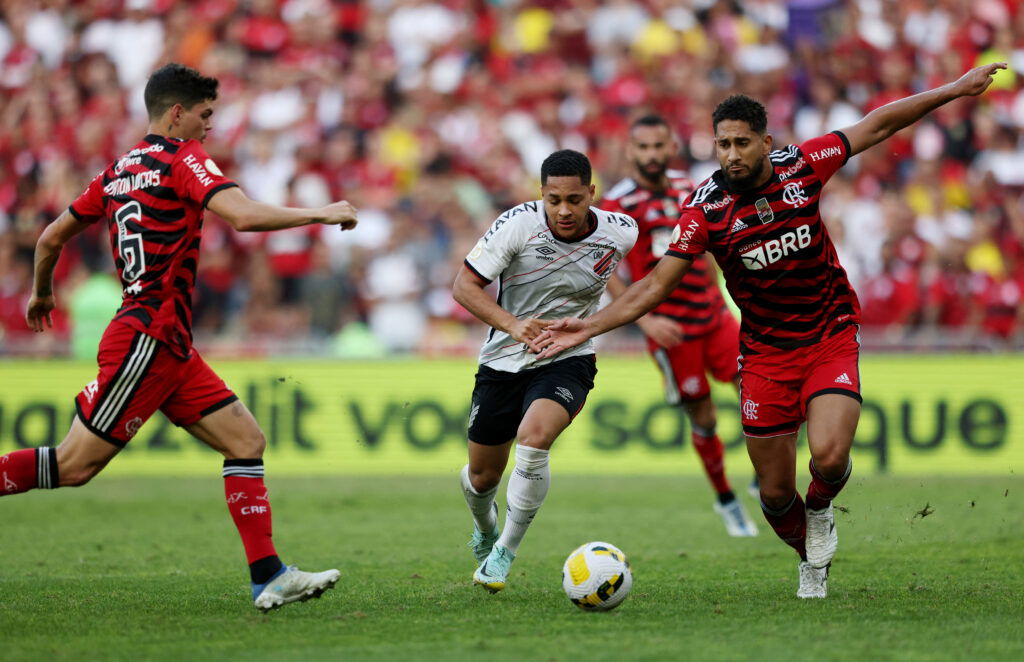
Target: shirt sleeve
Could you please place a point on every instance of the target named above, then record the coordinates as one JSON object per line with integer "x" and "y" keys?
{"x": 690, "y": 238}
{"x": 827, "y": 154}
{"x": 495, "y": 250}
{"x": 196, "y": 177}
{"x": 88, "y": 207}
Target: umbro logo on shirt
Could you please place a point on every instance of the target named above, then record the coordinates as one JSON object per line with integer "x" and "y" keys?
{"x": 564, "y": 393}
{"x": 844, "y": 379}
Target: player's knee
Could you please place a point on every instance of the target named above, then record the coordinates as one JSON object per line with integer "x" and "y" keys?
{"x": 831, "y": 463}
{"x": 251, "y": 445}
{"x": 535, "y": 436}
{"x": 484, "y": 478}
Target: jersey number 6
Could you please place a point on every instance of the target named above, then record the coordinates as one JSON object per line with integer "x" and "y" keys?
{"x": 129, "y": 245}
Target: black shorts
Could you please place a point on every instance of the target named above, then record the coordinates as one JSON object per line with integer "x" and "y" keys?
{"x": 500, "y": 399}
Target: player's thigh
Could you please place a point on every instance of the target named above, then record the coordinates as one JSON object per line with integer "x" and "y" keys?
{"x": 555, "y": 396}
{"x": 137, "y": 374}
{"x": 496, "y": 407}
{"x": 82, "y": 454}
{"x": 683, "y": 371}
{"x": 721, "y": 349}
{"x": 212, "y": 413}
{"x": 774, "y": 460}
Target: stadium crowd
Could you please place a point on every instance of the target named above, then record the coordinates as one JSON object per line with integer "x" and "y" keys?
{"x": 432, "y": 116}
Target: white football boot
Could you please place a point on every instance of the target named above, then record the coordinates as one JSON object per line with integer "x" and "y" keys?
{"x": 813, "y": 581}
{"x": 737, "y": 523}
{"x": 292, "y": 585}
{"x": 822, "y": 539}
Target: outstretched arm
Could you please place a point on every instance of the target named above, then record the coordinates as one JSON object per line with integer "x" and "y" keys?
{"x": 882, "y": 122}
{"x": 247, "y": 215}
{"x": 639, "y": 298}
{"x": 48, "y": 249}
{"x": 660, "y": 329}
{"x": 468, "y": 290}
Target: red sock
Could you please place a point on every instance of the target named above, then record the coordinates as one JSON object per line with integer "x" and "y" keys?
{"x": 250, "y": 508}
{"x": 790, "y": 524}
{"x": 28, "y": 469}
{"x": 712, "y": 454}
{"x": 821, "y": 492}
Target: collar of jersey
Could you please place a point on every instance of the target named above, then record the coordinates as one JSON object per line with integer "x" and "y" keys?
{"x": 592, "y": 230}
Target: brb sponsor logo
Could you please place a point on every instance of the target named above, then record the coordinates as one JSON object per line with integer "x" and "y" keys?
{"x": 773, "y": 250}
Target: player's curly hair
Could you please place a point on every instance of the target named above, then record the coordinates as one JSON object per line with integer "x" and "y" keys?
{"x": 742, "y": 108}
{"x": 566, "y": 163}
{"x": 175, "y": 83}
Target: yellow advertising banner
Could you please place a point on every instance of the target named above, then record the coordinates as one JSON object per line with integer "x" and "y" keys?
{"x": 922, "y": 415}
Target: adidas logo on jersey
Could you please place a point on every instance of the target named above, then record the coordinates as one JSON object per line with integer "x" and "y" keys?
{"x": 739, "y": 225}
{"x": 844, "y": 379}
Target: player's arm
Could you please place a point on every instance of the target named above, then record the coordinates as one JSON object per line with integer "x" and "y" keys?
{"x": 469, "y": 291}
{"x": 248, "y": 215}
{"x": 638, "y": 299}
{"x": 882, "y": 122}
{"x": 48, "y": 249}
{"x": 663, "y": 331}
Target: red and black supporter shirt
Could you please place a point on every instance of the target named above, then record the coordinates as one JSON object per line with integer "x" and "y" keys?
{"x": 779, "y": 263}
{"x": 696, "y": 303}
{"x": 153, "y": 199}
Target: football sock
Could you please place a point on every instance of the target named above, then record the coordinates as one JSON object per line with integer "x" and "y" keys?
{"x": 712, "y": 454}
{"x": 479, "y": 503}
{"x": 821, "y": 491}
{"x": 789, "y": 524}
{"x": 29, "y": 469}
{"x": 250, "y": 509}
{"x": 527, "y": 487}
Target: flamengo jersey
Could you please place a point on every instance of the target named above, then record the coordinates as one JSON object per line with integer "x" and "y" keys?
{"x": 153, "y": 199}
{"x": 542, "y": 276}
{"x": 696, "y": 302}
{"x": 779, "y": 264}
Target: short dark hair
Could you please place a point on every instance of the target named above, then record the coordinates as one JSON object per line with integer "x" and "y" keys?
{"x": 650, "y": 119}
{"x": 566, "y": 163}
{"x": 175, "y": 83}
{"x": 742, "y": 108}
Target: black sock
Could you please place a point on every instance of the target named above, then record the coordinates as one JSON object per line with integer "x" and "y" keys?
{"x": 262, "y": 570}
{"x": 726, "y": 497}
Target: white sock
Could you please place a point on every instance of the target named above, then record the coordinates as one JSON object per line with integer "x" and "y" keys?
{"x": 527, "y": 488}
{"x": 479, "y": 503}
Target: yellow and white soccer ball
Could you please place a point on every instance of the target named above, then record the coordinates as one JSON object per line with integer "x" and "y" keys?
{"x": 596, "y": 576}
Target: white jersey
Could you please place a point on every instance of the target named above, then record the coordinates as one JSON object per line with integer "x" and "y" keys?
{"x": 542, "y": 276}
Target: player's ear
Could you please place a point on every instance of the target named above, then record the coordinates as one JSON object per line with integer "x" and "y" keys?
{"x": 592, "y": 188}
{"x": 177, "y": 110}
{"x": 768, "y": 141}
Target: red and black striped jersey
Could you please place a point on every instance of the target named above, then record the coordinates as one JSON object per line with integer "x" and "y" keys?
{"x": 697, "y": 302}
{"x": 779, "y": 263}
{"x": 153, "y": 199}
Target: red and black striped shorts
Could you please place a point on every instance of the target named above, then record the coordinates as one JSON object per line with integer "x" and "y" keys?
{"x": 139, "y": 375}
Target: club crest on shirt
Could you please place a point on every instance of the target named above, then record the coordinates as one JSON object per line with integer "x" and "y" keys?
{"x": 764, "y": 210}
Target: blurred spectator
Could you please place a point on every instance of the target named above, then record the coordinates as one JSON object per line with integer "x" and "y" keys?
{"x": 431, "y": 115}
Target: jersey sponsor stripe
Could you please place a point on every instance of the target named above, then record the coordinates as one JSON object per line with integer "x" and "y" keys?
{"x": 548, "y": 265}
{"x": 116, "y": 397}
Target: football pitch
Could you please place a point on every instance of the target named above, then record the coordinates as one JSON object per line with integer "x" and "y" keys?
{"x": 131, "y": 568}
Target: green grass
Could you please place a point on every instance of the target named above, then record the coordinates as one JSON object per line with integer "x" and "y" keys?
{"x": 128, "y": 569}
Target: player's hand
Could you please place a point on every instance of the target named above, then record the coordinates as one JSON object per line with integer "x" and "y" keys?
{"x": 559, "y": 336}
{"x": 977, "y": 80}
{"x": 38, "y": 312}
{"x": 340, "y": 213}
{"x": 526, "y": 330}
{"x": 660, "y": 329}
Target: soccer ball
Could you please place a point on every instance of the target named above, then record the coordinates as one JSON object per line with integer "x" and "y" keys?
{"x": 596, "y": 576}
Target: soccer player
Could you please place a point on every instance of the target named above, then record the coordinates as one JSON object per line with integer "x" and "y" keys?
{"x": 152, "y": 199}
{"x": 691, "y": 332}
{"x": 758, "y": 215}
{"x": 551, "y": 257}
